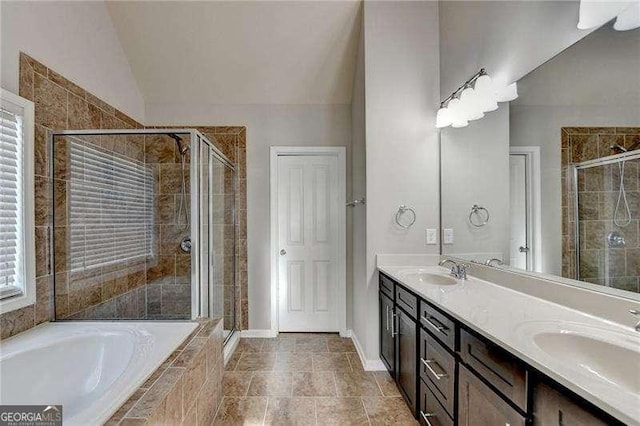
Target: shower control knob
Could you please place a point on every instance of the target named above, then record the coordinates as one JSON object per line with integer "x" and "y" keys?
{"x": 283, "y": 252}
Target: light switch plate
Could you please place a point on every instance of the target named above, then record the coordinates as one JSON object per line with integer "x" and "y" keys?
{"x": 447, "y": 237}
{"x": 432, "y": 236}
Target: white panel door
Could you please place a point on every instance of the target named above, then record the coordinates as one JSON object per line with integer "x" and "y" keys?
{"x": 309, "y": 240}
{"x": 518, "y": 247}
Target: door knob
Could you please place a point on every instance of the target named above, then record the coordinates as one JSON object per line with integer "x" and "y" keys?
{"x": 283, "y": 252}
{"x": 524, "y": 249}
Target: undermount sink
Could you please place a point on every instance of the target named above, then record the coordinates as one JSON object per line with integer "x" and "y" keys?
{"x": 597, "y": 353}
{"x": 612, "y": 363}
{"x": 428, "y": 278}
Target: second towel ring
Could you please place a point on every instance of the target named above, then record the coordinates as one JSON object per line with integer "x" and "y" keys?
{"x": 402, "y": 210}
{"x": 476, "y": 210}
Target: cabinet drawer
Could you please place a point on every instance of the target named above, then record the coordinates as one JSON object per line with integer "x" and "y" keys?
{"x": 431, "y": 412}
{"x": 438, "y": 368}
{"x": 439, "y": 324}
{"x": 386, "y": 286}
{"x": 479, "y": 405}
{"x": 497, "y": 366}
{"x": 407, "y": 301}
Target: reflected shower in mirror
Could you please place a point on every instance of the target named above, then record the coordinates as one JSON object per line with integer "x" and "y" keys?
{"x": 558, "y": 169}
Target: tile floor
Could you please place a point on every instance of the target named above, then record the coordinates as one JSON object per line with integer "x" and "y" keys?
{"x": 306, "y": 379}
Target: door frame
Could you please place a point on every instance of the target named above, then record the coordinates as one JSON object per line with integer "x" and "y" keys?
{"x": 340, "y": 153}
{"x": 534, "y": 207}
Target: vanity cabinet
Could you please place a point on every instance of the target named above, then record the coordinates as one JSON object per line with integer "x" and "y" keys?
{"x": 387, "y": 343}
{"x": 451, "y": 375}
{"x": 552, "y": 408}
{"x": 406, "y": 349}
{"x": 479, "y": 405}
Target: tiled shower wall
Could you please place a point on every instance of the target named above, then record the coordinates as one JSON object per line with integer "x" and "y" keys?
{"x": 60, "y": 104}
{"x": 598, "y": 190}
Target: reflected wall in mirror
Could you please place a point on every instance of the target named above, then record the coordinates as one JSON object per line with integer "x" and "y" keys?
{"x": 558, "y": 169}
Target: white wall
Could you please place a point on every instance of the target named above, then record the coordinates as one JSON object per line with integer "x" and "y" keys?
{"x": 508, "y": 38}
{"x": 475, "y": 170}
{"x": 76, "y": 39}
{"x": 401, "y": 98}
{"x": 267, "y": 125}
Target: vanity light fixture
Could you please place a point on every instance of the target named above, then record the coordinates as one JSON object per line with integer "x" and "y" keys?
{"x": 595, "y": 13}
{"x": 478, "y": 95}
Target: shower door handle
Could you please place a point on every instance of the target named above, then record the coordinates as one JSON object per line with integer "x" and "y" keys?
{"x": 524, "y": 249}
{"x": 283, "y": 252}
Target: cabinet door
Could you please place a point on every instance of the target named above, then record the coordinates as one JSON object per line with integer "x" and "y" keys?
{"x": 407, "y": 357}
{"x": 387, "y": 346}
{"x": 551, "y": 408}
{"x": 478, "y": 405}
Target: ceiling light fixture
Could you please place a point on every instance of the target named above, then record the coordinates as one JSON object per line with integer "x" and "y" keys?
{"x": 478, "y": 95}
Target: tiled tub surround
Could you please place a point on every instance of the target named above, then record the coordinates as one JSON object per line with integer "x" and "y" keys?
{"x": 186, "y": 389}
{"x": 497, "y": 312}
{"x": 598, "y": 190}
{"x": 60, "y": 104}
{"x": 60, "y": 358}
{"x": 307, "y": 379}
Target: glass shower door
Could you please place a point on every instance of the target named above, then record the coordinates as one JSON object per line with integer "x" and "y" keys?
{"x": 607, "y": 217}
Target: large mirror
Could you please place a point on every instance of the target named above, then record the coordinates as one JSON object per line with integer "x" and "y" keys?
{"x": 550, "y": 182}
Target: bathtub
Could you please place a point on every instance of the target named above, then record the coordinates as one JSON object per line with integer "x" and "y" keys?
{"x": 90, "y": 368}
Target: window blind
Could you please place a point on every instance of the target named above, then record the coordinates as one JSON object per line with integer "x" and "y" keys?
{"x": 111, "y": 208}
{"x": 11, "y": 204}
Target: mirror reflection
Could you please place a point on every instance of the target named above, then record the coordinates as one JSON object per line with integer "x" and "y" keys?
{"x": 550, "y": 183}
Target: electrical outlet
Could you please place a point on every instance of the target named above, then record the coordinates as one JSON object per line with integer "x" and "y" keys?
{"x": 447, "y": 237}
{"x": 432, "y": 236}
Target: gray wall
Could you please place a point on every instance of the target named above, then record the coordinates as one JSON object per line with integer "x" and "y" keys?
{"x": 401, "y": 97}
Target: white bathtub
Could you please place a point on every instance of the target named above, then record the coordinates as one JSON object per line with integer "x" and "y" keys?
{"x": 91, "y": 368}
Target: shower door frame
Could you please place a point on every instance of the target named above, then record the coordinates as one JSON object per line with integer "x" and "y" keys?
{"x": 199, "y": 304}
{"x": 573, "y": 172}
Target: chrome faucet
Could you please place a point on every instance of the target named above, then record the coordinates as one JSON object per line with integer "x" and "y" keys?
{"x": 458, "y": 270}
{"x": 636, "y": 312}
{"x": 493, "y": 262}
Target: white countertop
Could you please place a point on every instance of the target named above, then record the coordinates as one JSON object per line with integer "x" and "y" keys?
{"x": 511, "y": 319}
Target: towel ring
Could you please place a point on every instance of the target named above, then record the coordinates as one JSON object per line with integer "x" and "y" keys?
{"x": 402, "y": 210}
{"x": 476, "y": 210}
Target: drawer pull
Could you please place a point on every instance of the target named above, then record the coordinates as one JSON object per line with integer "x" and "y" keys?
{"x": 425, "y": 417}
{"x": 427, "y": 363}
{"x": 435, "y": 324}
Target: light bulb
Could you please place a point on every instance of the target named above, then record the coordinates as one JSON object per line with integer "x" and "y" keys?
{"x": 629, "y": 19}
{"x": 457, "y": 114}
{"x": 483, "y": 84}
{"x": 443, "y": 118}
{"x": 508, "y": 93}
{"x": 472, "y": 110}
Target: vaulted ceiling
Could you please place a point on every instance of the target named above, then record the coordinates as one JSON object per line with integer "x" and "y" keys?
{"x": 241, "y": 52}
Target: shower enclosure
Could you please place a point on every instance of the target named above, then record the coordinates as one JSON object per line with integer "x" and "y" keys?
{"x": 144, "y": 226}
{"x": 605, "y": 215}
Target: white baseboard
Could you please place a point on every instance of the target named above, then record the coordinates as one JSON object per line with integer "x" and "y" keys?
{"x": 266, "y": 333}
{"x": 230, "y": 347}
{"x": 367, "y": 364}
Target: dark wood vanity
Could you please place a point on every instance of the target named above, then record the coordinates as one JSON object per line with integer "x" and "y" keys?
{"x": 450, "y": 375}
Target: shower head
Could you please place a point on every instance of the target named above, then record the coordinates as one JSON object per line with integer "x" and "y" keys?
{"x": 182, "y": 149}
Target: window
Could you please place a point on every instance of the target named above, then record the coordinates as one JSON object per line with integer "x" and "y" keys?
{"x": 111, "y": 208}
{"x": 17, "y": 252}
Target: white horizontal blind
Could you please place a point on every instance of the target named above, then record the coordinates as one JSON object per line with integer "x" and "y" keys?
{"x": 11, "y": 204}
{"x": 111, "y": 208}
